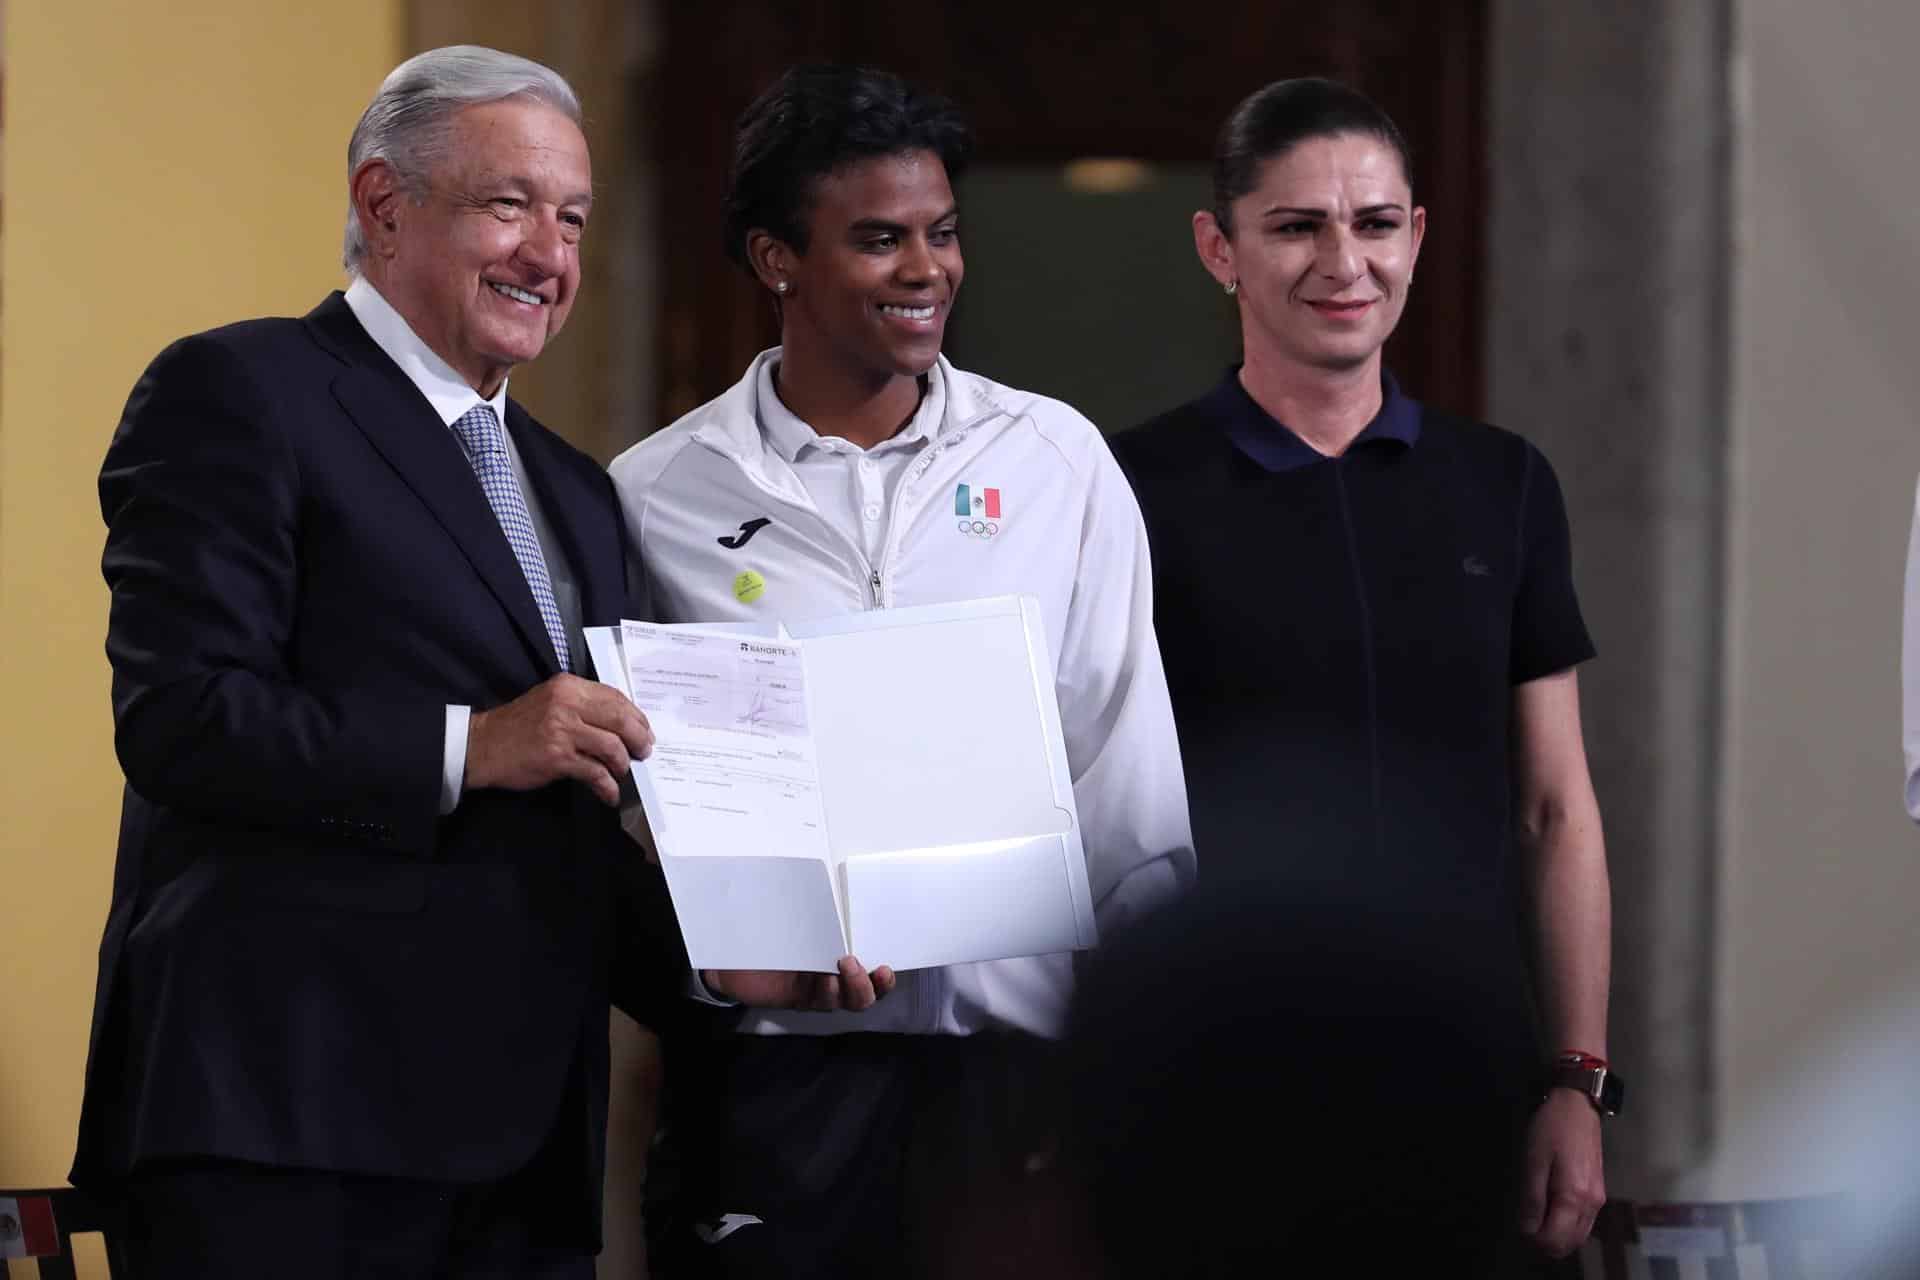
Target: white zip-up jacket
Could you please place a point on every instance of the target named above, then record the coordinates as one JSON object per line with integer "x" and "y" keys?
{"x": 1061, "y": 525}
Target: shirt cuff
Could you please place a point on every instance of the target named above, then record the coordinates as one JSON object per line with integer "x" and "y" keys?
{"x": 453, "y": 765}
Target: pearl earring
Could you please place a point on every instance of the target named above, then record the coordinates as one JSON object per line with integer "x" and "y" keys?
{"x": 1232, "y": 287}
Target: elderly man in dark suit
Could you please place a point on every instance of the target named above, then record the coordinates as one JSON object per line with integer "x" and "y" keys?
{"x": 372, "y": 898}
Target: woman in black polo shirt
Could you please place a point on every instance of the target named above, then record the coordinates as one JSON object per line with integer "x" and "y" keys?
{"x": 1370, "y": 630}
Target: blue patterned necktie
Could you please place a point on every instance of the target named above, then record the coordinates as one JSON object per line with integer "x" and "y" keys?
{"x": 479, "y": 433}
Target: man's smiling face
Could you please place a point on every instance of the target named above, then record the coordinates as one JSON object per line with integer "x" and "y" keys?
{"x": 484, "y": 264}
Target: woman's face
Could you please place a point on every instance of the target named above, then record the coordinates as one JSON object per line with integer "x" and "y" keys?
{"x": 1323, "y": 249}
{"x": 874, "y": 288}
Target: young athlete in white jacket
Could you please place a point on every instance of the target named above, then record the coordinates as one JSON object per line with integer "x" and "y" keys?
{"x": 854, "y": 468}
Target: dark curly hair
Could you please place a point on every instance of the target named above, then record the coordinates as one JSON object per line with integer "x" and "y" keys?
{"x": 814, "y": 120}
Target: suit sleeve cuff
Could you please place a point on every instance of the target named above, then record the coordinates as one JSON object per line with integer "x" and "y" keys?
{"x": 453, "y": 769}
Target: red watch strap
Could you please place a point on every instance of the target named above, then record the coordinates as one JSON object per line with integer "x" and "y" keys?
{"x": 1575, "y": 1058}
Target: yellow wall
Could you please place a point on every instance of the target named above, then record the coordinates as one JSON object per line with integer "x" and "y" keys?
{"x": 168, "y": 167}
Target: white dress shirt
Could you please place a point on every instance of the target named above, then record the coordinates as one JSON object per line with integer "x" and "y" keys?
{"x": 452, "y": 396}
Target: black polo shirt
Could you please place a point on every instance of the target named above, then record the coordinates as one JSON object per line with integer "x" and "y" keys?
{"x": 1342, "y": 639}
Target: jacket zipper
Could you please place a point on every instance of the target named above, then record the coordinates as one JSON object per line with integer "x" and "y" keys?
{"x": 875, "y": 587}
{"x": 805, "y": 503}
{"x": 921, "y": 465}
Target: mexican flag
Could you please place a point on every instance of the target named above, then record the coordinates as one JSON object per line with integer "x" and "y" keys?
{"x": 977, "y": 501}
{"x": 26, "y": 1228}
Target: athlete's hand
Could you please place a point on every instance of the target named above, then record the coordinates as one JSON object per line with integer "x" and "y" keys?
{"x": 852, "y": 990}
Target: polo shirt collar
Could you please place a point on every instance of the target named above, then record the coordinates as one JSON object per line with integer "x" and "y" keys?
{"x": 787, "y": 435}
{"x": 1270, "y": 443}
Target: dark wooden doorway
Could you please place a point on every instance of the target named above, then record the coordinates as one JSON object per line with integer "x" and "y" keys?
{"x": 1047, "y": 83}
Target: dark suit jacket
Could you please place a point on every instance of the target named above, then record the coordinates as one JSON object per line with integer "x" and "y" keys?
{"x": 304, "y": 963}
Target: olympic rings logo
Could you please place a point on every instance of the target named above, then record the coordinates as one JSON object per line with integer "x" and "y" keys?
{"x": 980, "y": 528}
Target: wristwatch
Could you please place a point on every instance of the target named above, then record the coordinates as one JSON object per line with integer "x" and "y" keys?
{"x": 1589, "y": 1075}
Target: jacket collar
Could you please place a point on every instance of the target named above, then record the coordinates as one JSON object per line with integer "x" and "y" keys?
{"x": 789, "y": 436}
{"x": 730, "y": 423}
{"x": 406, "y": 430}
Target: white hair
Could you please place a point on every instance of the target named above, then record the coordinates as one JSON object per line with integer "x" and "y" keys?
{"x": 406, "y": 123}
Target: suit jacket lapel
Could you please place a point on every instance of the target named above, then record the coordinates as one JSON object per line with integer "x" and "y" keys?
{"x": 397, "y": 420}
{"x": 584, "y": 522}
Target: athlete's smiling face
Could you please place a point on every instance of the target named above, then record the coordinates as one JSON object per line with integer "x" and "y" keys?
{"x": 484, "y": 263}
{"x": 882, "y": 265}
{"x": 1323, "y": 249}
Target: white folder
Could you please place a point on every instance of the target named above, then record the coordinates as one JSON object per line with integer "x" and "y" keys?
{"x": 946, "y": 827}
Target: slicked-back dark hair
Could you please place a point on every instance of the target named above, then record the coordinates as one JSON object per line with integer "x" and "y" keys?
{"x": 814, "y": 120}
{"x": 1273, "y": 120}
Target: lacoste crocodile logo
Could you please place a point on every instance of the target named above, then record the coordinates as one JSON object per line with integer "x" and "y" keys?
{"x": 745, "y": 535}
